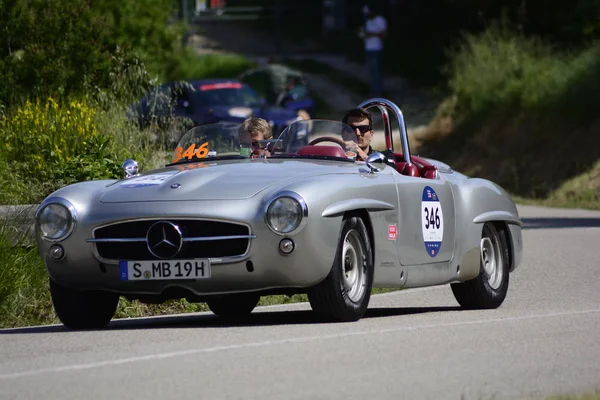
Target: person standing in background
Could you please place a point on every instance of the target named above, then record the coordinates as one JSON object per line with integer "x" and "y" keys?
{"x": 374, "y": 32}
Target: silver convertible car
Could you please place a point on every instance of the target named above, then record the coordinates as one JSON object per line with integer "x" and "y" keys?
{"x": 222, "y": 226}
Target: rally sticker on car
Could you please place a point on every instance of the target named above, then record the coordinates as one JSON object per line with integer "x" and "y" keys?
{"x": 147, "y": 180}
{"x": 392, "y": 232}
{"x": 432, "y": 221}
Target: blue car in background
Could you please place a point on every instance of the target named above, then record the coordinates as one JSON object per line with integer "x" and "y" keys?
{"x": 282, "y": 86}
{"x": 208, "y": 101}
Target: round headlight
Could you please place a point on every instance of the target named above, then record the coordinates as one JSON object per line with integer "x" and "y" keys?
{"x": 55, "y": 221}
{"x": 284, "y": 214}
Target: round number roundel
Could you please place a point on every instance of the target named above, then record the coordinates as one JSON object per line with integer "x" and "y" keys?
{"x": 432, "y": 221}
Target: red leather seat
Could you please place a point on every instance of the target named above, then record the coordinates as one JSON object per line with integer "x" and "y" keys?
{"x": 323, "y": 151}
{"x": 418, "y": 168}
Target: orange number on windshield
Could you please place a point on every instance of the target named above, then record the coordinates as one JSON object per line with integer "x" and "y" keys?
{"x": 202, "y": 150}
{"x": 189, "y": 153}
{"x": 177, "y": 156}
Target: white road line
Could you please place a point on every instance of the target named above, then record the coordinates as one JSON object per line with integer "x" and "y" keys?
{"x": 160, "y": 356}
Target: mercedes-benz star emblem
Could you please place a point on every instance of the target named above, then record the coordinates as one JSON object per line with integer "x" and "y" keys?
{"x": 164, "y": 239}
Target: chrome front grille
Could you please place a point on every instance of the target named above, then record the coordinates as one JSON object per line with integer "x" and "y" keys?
{"x": 201, "y": 239}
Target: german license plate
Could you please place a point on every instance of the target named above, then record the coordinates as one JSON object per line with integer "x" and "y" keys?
{"x": 164, "y": 270}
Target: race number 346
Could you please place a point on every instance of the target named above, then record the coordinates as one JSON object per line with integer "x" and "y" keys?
{"x": 432, "y": 221}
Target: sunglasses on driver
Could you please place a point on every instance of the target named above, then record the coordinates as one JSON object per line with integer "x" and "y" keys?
{"x": 361, "y": 128}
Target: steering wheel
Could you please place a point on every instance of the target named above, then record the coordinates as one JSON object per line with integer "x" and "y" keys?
{"x": 329, "y": 139}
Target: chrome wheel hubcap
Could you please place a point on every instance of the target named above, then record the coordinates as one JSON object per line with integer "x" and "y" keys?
{"x": 354, "y": 276}
{"x": 491, "y": 261}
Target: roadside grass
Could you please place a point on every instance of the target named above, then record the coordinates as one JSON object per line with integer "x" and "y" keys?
{"x": 585, "y": 396}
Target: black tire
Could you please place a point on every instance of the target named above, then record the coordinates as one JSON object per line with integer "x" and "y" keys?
{"x": 234, "y": 305}
{"x": 331, "y": 299}
{"x": 83, "y": 309}
{"x": 487, "y": 290}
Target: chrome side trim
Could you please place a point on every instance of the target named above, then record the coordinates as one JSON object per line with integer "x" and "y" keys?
{"x": 355, "y": 204}
{"x": 115, "y": 240}
{"x": 191, "y": 239}
{"x": 213, "y": 260}
{"x": 208, "y": 238}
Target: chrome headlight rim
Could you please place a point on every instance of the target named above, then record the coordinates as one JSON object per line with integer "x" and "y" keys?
{"x": 303, "y": 207}
{"x": 70, "y": 208}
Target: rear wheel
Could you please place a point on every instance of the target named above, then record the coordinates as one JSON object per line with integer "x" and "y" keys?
{"x": 344, "y": 295}
{"x": 83, "y": 309}
{"x": 489, "y": 288}
{"x": 234, "y": 305}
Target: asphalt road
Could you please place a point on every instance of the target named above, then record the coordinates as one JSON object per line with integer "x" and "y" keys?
{"x": 413, "y": 344}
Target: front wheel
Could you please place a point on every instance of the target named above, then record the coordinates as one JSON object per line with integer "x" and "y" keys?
{"x": 344, "y": 295}
{"x": 234, "y": 305}
{"x": 489, "y": 288}
{"x": 83, "y": 309}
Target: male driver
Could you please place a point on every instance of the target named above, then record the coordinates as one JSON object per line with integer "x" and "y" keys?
{"x": 361, "y": 122}
{"x": 254, "y": 129}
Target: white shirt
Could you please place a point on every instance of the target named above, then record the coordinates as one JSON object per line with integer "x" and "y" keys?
{"x": 375, "y": 25}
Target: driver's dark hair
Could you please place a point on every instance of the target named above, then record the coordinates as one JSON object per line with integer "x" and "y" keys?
{"x": 359, "y": 113}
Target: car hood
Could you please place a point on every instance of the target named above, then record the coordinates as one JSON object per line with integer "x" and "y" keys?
{"x": 223, "y": 181}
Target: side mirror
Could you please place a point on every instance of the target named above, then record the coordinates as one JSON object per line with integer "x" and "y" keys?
{"x": 375, "y": 158}
{"x": 130, "y": 168}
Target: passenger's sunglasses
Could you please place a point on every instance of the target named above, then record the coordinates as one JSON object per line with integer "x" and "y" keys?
{"x": 361, "y": 128}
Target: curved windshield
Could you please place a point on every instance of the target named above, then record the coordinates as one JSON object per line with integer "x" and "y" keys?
{"x": 212, "y": 141}
{"x": 304, "y": 138}
{"x": 301, "y": 137}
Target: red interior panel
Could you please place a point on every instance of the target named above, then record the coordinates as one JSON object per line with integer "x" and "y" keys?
{"x": 328, "y": 151}
{"x": 418, "y": 168}
{"x": 423, "y": 168}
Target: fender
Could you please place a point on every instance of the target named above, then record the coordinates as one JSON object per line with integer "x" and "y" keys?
{"x": 341, "y": 207}
{"x": 508, "y": 217}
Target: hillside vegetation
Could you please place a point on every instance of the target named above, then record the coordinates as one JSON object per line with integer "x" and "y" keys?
{"x": 524, "y": 114}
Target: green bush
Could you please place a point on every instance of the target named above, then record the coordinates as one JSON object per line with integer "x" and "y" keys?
{"x": 50, "y": 144}
{"x": 192, "y": 66}
{"x": 523, "y": 113}
{"x": 502, "y": 70}
{"x": 65, "y": 49}
{"x": 50, "y": 48}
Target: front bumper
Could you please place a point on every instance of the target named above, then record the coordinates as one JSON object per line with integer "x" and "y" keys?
{"x": 262, "y": 267}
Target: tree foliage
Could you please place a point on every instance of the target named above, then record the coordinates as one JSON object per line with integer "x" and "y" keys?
{"x": 63, "y": 48}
